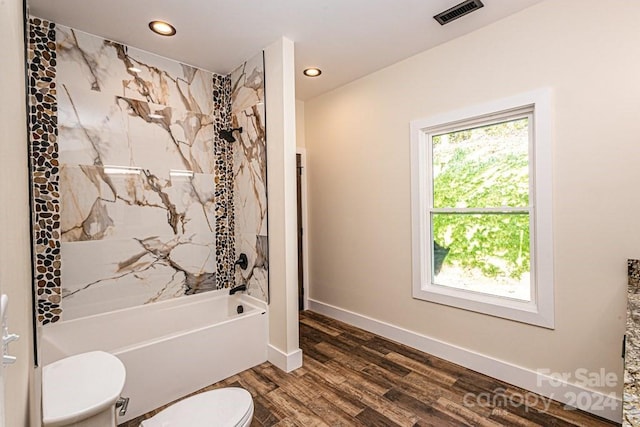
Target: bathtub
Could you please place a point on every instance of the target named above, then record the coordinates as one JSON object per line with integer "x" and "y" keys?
{"x": 169, "y": 348}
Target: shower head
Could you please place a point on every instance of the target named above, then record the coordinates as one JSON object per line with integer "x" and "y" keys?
{"x": 227, "y": 134}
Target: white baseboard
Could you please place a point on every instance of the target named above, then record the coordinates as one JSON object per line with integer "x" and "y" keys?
{"x": 600, "y": 404}
{"x": 286, "y": 362}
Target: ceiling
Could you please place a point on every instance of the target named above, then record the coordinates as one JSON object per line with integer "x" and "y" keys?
{"x": 347, "y": 39}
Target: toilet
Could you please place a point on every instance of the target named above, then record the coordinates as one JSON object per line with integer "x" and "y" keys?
{"x": 224, "y": 407}
{"x": 82, "y": 390}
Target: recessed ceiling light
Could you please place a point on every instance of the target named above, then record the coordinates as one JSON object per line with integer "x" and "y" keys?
{"x": 312, "y": 72}
{"x": 162, "y": 28}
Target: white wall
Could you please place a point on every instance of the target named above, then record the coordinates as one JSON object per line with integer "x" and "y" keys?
{"x": 284, "y": 351}
{"x": 300, "y": 141}
{"x": 357, "y": 139}
{"x": 15, "y": 243}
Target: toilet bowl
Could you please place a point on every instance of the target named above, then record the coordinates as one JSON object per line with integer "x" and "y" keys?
{"x": 82, "y": 390}
{"x": 224, "y": 407}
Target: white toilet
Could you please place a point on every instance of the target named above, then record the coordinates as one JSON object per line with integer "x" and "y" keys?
{"x": 82, "y": 390}
{"x": 224, "y": 407}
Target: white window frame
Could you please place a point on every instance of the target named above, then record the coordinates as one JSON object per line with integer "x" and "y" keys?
{"x": 540, "y": 310}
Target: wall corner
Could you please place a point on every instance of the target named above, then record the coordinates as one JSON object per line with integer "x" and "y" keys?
{"x": 281, "y": 196}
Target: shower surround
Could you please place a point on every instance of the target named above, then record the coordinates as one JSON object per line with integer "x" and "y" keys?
{"x": 250, "y": 175}
{"x": 145, "y": 187}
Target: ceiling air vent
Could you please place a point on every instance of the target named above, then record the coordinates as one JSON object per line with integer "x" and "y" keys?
{"x": 457, "y": 11}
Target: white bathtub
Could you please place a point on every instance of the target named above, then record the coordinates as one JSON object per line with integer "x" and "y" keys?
{"x": 169, "y": 348}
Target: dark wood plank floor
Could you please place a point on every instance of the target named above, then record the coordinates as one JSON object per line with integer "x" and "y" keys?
{"x": 351, "y": 377}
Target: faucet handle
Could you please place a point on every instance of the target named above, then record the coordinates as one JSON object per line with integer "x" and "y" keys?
{"x": 242, "y": 261}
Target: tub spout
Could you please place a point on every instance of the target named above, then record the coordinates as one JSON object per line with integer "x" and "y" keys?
{"x": 239, "y": 288}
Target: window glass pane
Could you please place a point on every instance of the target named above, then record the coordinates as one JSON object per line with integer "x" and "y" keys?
{"x": 482, "y": 167}
{"x": 486, "y": 253}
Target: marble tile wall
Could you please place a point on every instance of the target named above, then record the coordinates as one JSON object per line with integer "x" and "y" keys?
{"x": 134, "y": 167}
{"x": 631, "y": 394}
{"x": 250, "y": 175}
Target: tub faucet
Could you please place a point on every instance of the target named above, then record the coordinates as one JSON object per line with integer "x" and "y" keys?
{"x": 239, "y": 288}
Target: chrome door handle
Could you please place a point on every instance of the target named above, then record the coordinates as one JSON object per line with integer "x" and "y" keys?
{"x": 6, "y": 339}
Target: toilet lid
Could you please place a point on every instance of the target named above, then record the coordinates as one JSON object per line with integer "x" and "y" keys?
{"x": 226, "y": 407}
{"x": 79, "y": 386}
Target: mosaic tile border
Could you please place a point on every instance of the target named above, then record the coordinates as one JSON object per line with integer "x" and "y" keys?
{"x": 45, "y": 177}
{"x": 225, "y": 235}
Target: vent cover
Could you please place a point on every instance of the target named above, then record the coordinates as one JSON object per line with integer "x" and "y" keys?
{"x": 457, "y": 11}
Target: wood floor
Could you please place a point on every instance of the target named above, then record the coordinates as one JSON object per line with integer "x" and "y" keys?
{"x": 351, "y": 377}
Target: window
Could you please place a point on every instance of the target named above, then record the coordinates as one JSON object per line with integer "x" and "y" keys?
{"x": 481, "y": 209}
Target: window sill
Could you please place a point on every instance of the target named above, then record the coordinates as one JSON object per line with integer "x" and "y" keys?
{"x": 506, "y": 308}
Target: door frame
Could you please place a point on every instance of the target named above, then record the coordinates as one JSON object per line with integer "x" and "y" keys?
{"x": 305, "y": 226}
